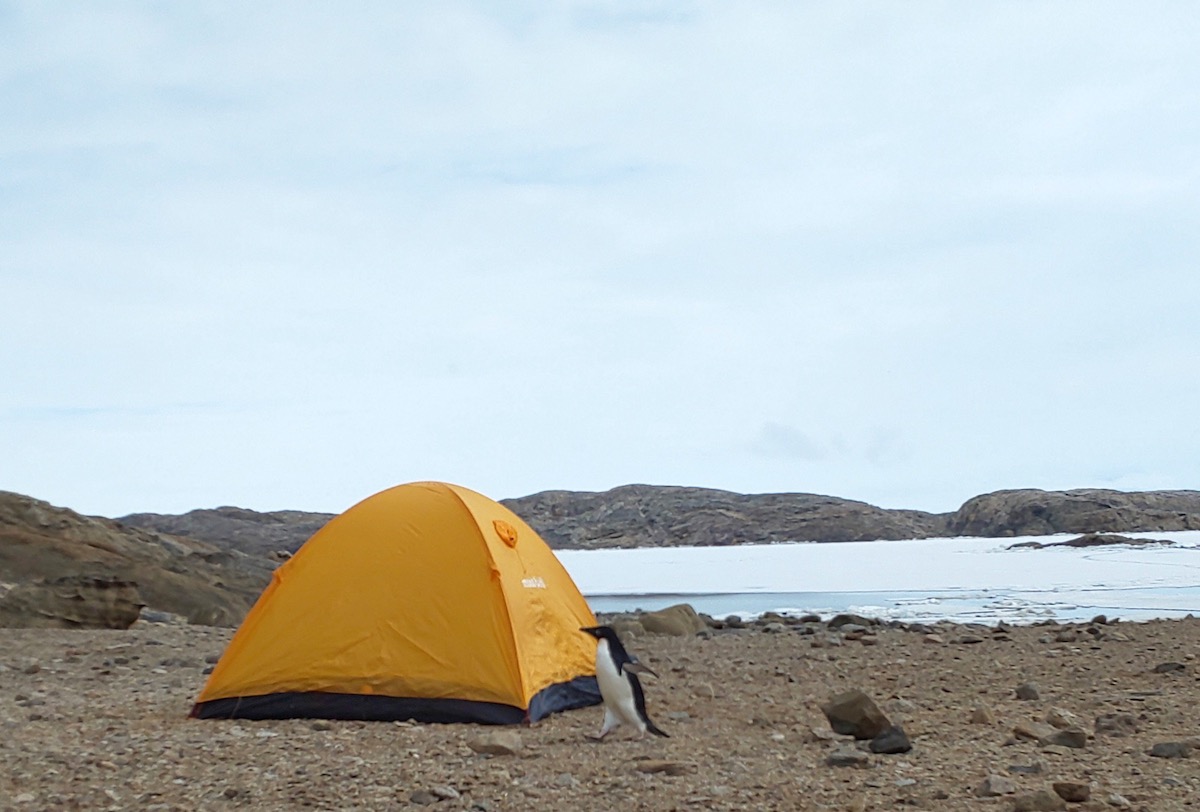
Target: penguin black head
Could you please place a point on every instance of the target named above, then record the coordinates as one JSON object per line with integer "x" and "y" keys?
{"x": 601, "y": 633}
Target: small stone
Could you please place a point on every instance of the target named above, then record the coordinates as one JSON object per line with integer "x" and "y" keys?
{"x": 853, "y": 713}
{"x": 847, "y": 757}
{"x": 497, "y": 743}
{"x": 891, "y": 741}
{"x": 846, "y": 618}
{"x": 1043, "y": 800}
{"x": 1074, "y": 791}
{"x": 1117, "y": 800}
{"x": 1028, "y": 692}
{"x": 566, "y": 780}
{"x": 935, "y": 639}
{"x": 994, "y": 786}
{"x": 423, "y": 797}
{"x": 444, "y": 792}
{"x": 982, "y": 716}
{"x": 1170, "y": 668}
{"x": 1036, "y": 768}
{"x": 970, "y": 639}
{"x": 1073, "y": 737}
{"x": 321, "y": 724}
{"x": 1171, "y": 750}
{"x": 1116, "y": 724}
{"x": 1062, "y": 719}
{"x": 665, "y": 767}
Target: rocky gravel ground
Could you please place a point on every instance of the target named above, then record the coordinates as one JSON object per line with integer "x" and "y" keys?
{"x": 1107, "y": 714}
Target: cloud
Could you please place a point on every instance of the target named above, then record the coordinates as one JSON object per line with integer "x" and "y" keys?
{"x": 778, "y": 440}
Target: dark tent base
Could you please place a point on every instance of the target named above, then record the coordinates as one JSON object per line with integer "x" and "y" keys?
{"x": 578, "y": 693}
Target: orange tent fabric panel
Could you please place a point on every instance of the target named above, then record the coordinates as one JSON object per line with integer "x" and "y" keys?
{"x": 425, "y": 591}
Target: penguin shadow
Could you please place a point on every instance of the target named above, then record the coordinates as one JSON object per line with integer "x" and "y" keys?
{"x": 620, "y": 688}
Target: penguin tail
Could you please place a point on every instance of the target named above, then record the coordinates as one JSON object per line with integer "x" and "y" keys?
{"x": 654, "y": 729}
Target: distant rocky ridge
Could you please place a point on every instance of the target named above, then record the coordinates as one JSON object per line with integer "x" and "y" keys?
{"x": 1087, "y": 510}
{"x": 664, "y": 516}
{"x": 61, "y": 569}
{"x": 246, "y": 530}
{"x": 658, "y": 516}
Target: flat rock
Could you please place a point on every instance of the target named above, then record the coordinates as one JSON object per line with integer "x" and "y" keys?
{"x": 847, "y": 757}
{"x": 497, "y": 743}
{"x": 1042, "y": 800}
{"x": 663, "y": 766}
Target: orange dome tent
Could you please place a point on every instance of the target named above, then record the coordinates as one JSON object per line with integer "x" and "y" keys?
{"x": 426, "y": 601}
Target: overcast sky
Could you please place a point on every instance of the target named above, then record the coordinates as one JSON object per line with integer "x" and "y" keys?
{"x": 288, "y": 255}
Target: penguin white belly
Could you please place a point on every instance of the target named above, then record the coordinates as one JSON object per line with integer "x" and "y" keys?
{"x": 616, "y": 690}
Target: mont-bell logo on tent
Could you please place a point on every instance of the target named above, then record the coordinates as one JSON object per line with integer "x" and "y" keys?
{"x": 533, "y": 583}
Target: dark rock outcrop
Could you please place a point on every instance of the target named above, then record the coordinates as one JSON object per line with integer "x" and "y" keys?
{"x": 1094, "y": 540}
{"x": 1036, "y": 513}
{"x": 50, "y": 555}
{"x": 661, "y": 516}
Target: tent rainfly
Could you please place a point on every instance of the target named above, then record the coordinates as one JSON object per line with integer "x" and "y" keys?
{"x": 426, "y": 601}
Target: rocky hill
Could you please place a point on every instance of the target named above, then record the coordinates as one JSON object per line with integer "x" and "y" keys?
{"x": 654, "y": 516}
{"x": 660, "y": 516}
{"x": 61, "y": 569}
{"x": 231, "y": 527}
{"x": 1032, "y": 512}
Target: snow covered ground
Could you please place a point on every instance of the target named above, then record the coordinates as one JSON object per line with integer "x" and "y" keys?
{"x": 961, "y": 579}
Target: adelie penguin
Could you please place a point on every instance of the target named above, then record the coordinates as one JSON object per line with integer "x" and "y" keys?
{"x": 616, "y": 674}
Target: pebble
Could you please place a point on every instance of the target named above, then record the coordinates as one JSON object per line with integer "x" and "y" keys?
{"x": 1028, "y": 692}
{"x": 994, "y": 786}
{"x": 1074, "y": 791}
{"x": 847, "y": 757}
